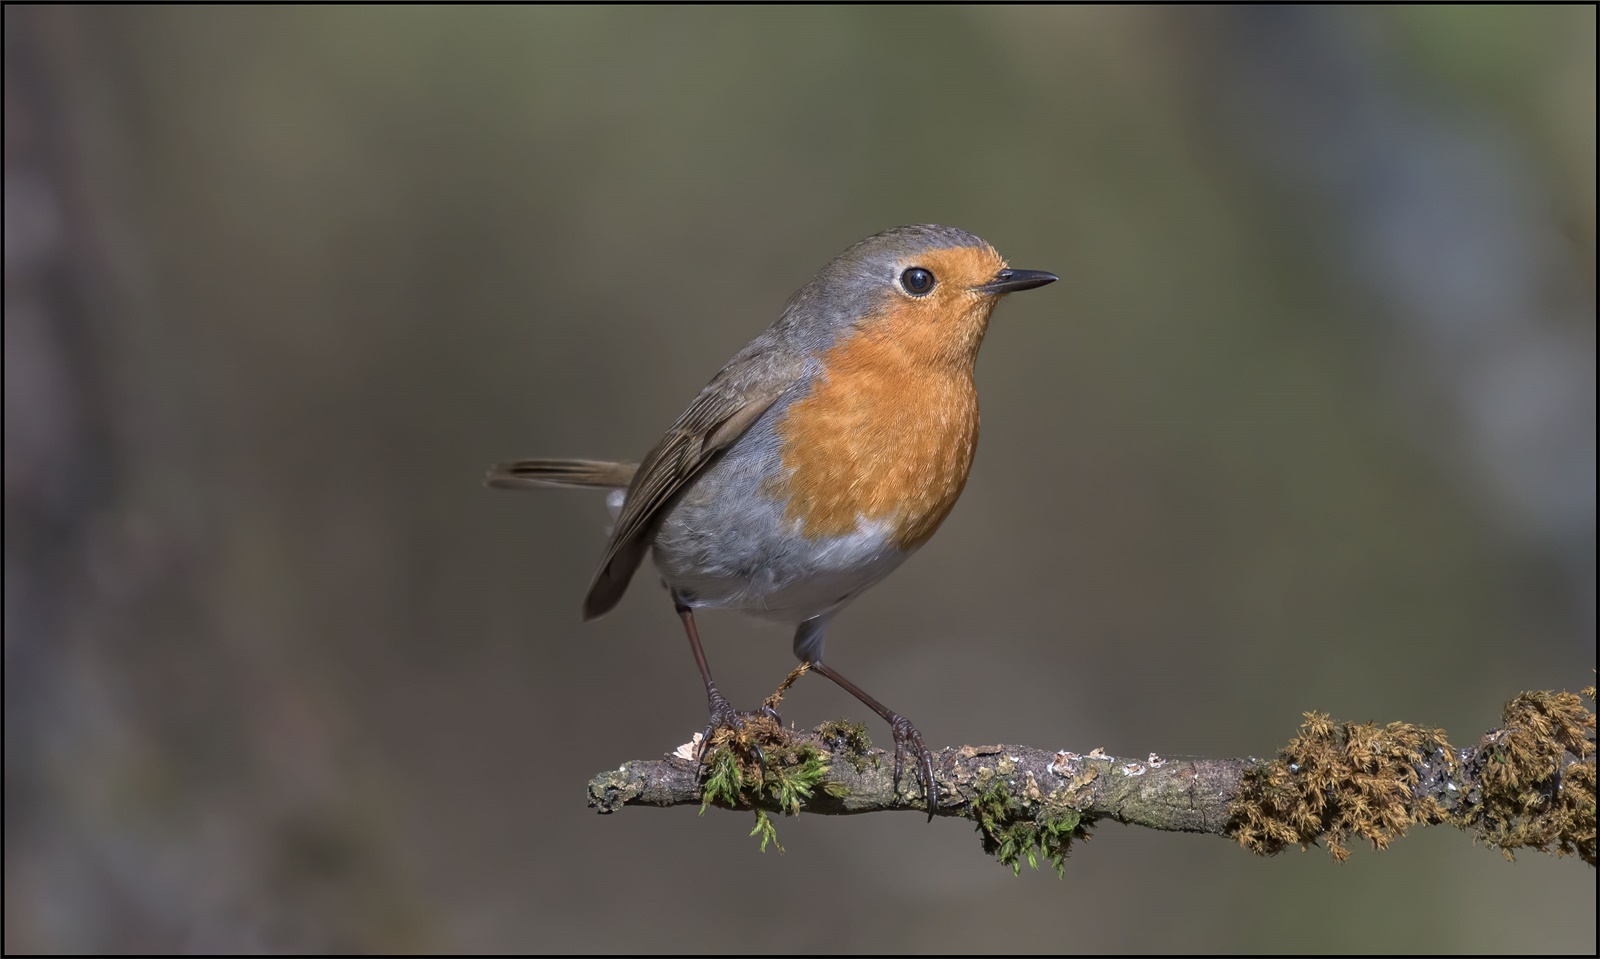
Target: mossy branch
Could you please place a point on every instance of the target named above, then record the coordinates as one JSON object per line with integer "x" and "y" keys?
{"x": 1528, "y": 784}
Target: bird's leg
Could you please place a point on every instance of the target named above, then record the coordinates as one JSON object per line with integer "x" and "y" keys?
{"x": 906, "y": 736}
{"x": 722, "y": 712}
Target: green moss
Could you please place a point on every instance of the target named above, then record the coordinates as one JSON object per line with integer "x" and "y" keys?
{"x": 766, "y": 830}
{"x": 793, "y": 770}
{"x": 724, "y": 784}
{"x": 794, "y": 779}
{"x": 849, "y": 740}
{"x": 1011, "y": 834}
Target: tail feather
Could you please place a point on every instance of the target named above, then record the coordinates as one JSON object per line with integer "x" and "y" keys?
{"x": 577, "y": 474}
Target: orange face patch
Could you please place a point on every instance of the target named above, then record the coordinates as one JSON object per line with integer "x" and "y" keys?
{"x": 947, "y": 324}
{"x": 890, "y": 427}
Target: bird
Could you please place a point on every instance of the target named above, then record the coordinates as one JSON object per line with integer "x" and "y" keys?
{"x": 817, "y": 460}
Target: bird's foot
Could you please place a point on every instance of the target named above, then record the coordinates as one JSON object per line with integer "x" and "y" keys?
{"x": 724, "y": 716}
{"x": 907, "y": 739}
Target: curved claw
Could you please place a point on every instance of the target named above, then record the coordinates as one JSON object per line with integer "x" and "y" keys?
{"x": 907, "y": 737}
{"x": 723, "y": 714}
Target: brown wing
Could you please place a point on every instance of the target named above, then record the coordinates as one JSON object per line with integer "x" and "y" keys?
{"x": 719, "y": 415}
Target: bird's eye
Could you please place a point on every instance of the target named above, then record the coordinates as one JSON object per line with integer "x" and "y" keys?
{"x": 917, "y": 281}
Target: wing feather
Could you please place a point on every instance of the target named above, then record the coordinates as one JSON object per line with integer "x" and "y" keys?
{"x": 728, "y": 406}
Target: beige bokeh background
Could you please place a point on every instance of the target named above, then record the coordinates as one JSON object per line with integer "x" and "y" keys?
{"x": 1307, "y": 424}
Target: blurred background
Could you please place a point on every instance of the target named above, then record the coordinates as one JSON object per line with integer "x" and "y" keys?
{"x": 1309, "y": 423}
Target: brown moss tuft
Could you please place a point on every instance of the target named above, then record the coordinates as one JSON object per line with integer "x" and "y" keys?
{"x": 1528, "y": 784}
{"x": 771, "y": 703}
{"x": 761, "y": 732}
{"x": 1335, "y": 781}
{"x": 1535, "y": 788}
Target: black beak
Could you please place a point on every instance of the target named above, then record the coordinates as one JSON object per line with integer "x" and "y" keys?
{"x": 1010, "y": 281}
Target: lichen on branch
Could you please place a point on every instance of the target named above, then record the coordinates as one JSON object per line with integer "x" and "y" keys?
{"x": 1529, "y": 784}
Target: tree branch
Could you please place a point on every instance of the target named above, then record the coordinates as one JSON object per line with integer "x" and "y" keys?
{"x": 1527, "y": 784}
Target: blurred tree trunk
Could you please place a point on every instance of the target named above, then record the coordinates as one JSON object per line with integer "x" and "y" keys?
{"x": 142, "y": 813}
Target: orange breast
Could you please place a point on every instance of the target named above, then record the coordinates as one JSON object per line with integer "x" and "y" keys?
{"x": 887, "y": 433}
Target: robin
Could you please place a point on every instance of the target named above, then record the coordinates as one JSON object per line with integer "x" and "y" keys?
{"x": 824, "y": 454}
